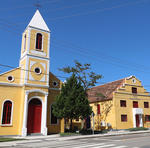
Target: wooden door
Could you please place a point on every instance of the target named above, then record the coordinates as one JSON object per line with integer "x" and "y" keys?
{"x": 34, "y": 118}
{"x": 137, "y": 121}
{"x": 37, "y": 119}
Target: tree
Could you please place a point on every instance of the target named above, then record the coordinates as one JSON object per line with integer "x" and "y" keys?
{"x": 72, "y": 102}
{"x": 82, "y": 72}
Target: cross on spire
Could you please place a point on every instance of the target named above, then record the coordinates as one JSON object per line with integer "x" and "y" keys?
{"x": 37, "y": 4}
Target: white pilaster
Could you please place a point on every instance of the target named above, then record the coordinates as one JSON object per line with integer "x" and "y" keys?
{"x": 24, "y": 127}
{"x": 44, "y": 117}
{"x": 141, "y": 120}
{"x": 134, "y": 121}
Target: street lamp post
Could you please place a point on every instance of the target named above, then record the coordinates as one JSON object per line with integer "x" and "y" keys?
{"x": 93, "y": 121}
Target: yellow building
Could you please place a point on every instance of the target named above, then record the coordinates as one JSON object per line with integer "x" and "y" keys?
{"x": 27, "y": 92}
{"x": 121, "y": 104}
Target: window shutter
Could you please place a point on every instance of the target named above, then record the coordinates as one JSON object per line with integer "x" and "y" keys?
{"x": 98, "y": 108}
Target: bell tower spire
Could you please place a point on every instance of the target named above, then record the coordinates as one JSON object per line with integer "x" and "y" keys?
{"x": 35, "y": 52}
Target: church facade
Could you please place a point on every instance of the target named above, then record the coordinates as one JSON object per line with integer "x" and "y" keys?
{"x": 28, "y": 91}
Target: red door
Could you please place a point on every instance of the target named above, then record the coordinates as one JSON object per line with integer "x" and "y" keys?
{"x": 137, "y": 121}
{"x": 34, "y": 118}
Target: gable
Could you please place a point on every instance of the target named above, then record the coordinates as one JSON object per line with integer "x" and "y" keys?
{"x": 54, "y": 82}
{"x": 14, "y": 73}
{"x": 131, "y": 83}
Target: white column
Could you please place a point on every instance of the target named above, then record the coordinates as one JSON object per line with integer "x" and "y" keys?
{"x": 141, "y": 120}
{"x": 24, "y": 126}
{"x": 44, "y": 117}
{"x": 134, "y": 121}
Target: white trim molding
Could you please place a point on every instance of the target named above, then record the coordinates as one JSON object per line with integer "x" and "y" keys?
{"x": 137, "y": 111}
{"x": 44, "y": 117}
{"x": 37, "y": 90}
{"x": 24, "y": 126}
{"x": 44, "y": 111}
{"x": 38, "y": 52}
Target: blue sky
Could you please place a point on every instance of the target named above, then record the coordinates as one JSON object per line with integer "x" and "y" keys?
{"x": 112, "y": 35}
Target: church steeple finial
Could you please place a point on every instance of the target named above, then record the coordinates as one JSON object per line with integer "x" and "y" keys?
{"x": 37, "y": 5}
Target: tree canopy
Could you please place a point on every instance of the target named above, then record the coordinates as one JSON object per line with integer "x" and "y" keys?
{"x": 83, "y": 73}
{"x": 72, "y": 102}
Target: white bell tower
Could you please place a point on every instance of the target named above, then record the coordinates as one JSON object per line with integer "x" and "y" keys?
{"x": 34, "y": 58}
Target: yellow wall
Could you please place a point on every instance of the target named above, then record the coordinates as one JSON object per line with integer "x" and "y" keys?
{"x": 123, "y": 93}
{"x": 15, "y": 73}
{"x": 53, "y": 92}
{"x": 37, "y": 77}
{"x": 13, "y": 94}
{"x": 106, "y": 114}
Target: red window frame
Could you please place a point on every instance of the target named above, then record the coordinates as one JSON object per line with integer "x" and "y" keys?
{"x": 123, "y": 118}
{"x": 147, "y": 118}
{"x": 134, "y": 90}
{"x": 122, "y": 103}
{"x": 39, "y": 41}
{"x": 98, "y": 109}
{"x": 7, "y": 108}
{"x": 135, "y": 104}
{"x": 146, "y": 104}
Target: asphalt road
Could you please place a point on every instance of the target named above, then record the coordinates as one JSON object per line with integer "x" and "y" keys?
{"x": 122, "y": 141}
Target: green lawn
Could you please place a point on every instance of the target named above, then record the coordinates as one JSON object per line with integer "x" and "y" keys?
{"x": 69, "y": 134}
{"x": 8, "y": 139}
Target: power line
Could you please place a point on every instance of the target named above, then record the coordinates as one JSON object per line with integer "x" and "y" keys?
{"x": 27, "y": 6}
{"x": 104, "y": 57}
{"x": 98, "y": 10}
{"x": 77, "y": 5}
{"x": 112, "y": 60}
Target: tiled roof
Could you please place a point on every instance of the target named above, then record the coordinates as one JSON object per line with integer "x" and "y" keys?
{"x": 104, "y": 92}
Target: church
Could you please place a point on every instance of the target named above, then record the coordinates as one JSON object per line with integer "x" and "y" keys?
{"x": 28, "y": 91}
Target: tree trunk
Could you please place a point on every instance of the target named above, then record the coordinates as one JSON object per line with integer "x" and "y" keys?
{"x": 70, "y": 124}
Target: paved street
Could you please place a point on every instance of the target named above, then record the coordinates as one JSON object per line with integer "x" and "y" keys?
{"x": 122, "y": 141}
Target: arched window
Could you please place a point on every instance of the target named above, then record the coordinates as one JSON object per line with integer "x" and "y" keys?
{"x": 53, "y": 118}
{"x": 25, "y": 38}
{"x": 39, "y": 41}
{"x": 7, "y": 109}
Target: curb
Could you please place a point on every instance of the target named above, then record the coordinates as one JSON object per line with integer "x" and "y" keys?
{"x": 103, "y": 135}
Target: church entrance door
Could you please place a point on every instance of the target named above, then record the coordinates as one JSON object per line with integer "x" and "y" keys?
{"x": 34, "y": 116}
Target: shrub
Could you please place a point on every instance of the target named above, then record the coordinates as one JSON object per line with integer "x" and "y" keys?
{"x": 86, "y": 131}
{"x": 137, "y": 129}
{"x": 90, "y": 132}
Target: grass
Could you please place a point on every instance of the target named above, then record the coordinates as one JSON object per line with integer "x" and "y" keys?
{"x": 9, "y": 139}
{"x": 69, "y": 134}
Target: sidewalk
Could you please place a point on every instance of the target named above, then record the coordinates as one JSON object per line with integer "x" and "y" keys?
{"x": 58, "y": 137}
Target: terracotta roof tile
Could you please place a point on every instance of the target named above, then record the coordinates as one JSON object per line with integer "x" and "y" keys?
{"x": 104, "y": 92}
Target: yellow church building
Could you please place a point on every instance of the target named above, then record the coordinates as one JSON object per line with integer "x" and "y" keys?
{"x": 28, "y": 91}
{"x": 120, "y": 104}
